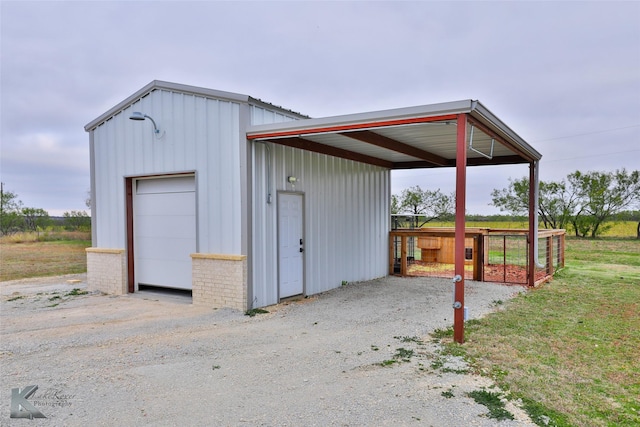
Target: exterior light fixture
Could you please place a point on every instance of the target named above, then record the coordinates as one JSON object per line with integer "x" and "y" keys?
{"x": 138, "y": 116}
{"x": 292, "y": 180}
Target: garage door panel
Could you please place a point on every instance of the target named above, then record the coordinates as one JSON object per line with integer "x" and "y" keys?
{"x": 174, "y": 184}
{"x": 165, "y": 231}
{"x": 160, "y": 248}
{"x": 154, "y": 274}
{"x": 166, "y": 205}
{"x": 175, "y": 227}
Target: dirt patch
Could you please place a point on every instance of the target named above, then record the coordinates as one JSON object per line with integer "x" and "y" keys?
{"x": 498, "y": 273}
{"x": 357, "y": 355}
{"x": 509, "y": 273}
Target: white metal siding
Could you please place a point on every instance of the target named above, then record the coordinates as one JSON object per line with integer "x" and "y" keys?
{"x": 262, "y": 116}
{"x": 346, "y": 219}
{"x": 201, "y": 135}
{"x": 346, "y": 203}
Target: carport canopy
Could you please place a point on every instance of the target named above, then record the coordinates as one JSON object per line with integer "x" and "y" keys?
{"x": 453, "y": 134}
{"x": 405, "y": 138}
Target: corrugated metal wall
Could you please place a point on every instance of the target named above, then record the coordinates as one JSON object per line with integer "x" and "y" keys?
{"x": 200, "y": 134}
{"x": 346, "y": 203}
{"x": 262, "y": 116}
{"x": 346, "y": 219}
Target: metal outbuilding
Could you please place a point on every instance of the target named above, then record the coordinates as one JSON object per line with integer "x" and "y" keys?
{"x": 246, "y": 203}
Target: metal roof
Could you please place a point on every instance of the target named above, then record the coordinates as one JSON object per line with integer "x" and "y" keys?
{"x": 186, "y": 89}
{"x": 413, "y": 137}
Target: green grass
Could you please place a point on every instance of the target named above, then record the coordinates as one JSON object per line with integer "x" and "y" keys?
{"x": 254, "y": 311}
{"x": 482, "y": 224}
{"x": 403, "y": 354}
{"x": 570, "y": 350}
{"x": 37, "y": 259}
{"x": 447, "y": 394}
{"x": 616, "y": 228}
{"x": 492, "y": 400}
{"x": 75, "y": 292}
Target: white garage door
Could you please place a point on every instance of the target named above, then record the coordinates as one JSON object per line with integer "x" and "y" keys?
{"x": 164, "y": 231}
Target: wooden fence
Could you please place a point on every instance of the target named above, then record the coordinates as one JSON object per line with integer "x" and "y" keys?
{"x": 495, "y": 255}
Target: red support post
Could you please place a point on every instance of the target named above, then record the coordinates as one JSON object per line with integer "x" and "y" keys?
{"x": 531, "y": 273}
{"x": 461, "y": 190}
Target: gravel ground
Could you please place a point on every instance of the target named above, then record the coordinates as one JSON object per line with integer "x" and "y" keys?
{"x": 154, "y": 359}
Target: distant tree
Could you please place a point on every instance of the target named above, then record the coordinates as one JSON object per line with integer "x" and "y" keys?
{"x": 556, "y": 201}
{"x": 496, "y": 218}
{"x": 513, "y": 199}
{"x": 395, "y": 205}
{"x": 11, "y": 220}
{"x": 76, "y": 220}
{"x": 603, "y": 195}
{"x": 556, "y": 204}
{"x": 630, "y": 215}
{"x": 35, "y": 218}
{"x": 429, "y": 204}
{"x": 585, "y": 200}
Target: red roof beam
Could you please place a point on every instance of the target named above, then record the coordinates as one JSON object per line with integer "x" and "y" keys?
{"x": 353, "y": 126}
{"x": 391, "y": 144}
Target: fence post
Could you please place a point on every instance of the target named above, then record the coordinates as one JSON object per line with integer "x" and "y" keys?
{"x": 392, "y": 254}
{"x": 504, "y": 258}
{"x": 549, "y": 256}
{"x": 478, "y": 262}
{"x": 403, "y": 256}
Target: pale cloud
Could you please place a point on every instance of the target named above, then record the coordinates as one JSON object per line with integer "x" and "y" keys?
{"x": 548, "y": 69}
{"x": 42, "y": 150}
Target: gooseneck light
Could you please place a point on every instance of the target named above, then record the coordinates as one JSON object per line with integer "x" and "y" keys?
{"x": 138, "y": 116}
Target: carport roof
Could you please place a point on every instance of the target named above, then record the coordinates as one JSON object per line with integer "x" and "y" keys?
{"x": 413, "y": 137}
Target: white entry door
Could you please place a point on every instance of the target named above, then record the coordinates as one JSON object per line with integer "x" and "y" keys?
{"x": 164, "y": 231}
{"x": 290, "y": 245}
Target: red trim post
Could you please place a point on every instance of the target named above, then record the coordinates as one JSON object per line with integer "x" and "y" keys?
{"x": 461, "y": 190}
{"x": 131, "y": 282}
{"x": 531, "y": 273}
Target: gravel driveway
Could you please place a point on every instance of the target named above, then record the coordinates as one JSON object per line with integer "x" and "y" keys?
{"x": 154, "y": 359}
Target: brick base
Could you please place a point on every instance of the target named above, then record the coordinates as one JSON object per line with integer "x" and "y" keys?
{"x": 219, "y": 280}
{"x": 107, "y": 270}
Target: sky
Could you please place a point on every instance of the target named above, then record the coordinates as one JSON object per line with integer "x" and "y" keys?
{"x": 565, "y": 76}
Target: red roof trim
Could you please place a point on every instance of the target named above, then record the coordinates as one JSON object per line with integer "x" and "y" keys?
{"x": 341, "y": 128}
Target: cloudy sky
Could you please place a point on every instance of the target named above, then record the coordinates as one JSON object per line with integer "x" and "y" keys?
{"x": 564, "y": 75}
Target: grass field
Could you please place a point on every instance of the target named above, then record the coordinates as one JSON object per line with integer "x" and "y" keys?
{"x": 24, "y": 256}
{"x": 617, "y": 229}
{"x": 570, "y": 350}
